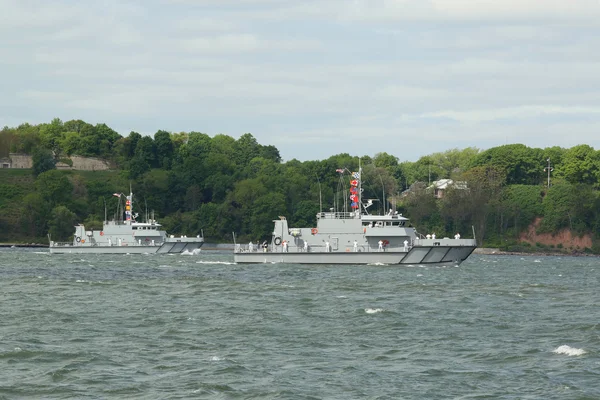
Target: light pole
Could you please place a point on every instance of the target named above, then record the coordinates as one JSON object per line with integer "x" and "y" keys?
{"x": 548, "y": 169}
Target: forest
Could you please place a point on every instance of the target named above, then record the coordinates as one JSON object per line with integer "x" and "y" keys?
{"x": 220, "y": 185}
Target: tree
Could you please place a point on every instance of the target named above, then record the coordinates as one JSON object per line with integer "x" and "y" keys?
{"x": 246, "y": 148}
{"x": 54, "y": 187}
{"x": 61, "y": 223}
{"x": 164, "y": 149}
{"x": 453, "y": 161}
{"x": 483, "y": 189}
{"x": 51, "y": 134}
{"x": 146, "y": 149}
{"x": 35, "y": 212}
{"x": 43, "y": 161}
{"x": 580, "y": 164}
{"x": 521, "y": 164}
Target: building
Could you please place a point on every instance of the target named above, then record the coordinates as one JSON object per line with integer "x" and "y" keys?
{"x": 439, "y": 187}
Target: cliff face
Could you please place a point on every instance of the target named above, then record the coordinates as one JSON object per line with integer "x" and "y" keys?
{"x": 564, "y": 237}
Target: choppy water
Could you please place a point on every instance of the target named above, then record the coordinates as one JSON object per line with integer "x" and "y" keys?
{"x": 181, "y": 327}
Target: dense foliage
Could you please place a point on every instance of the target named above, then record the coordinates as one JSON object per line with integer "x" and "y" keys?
{"x": 219, "y": 185}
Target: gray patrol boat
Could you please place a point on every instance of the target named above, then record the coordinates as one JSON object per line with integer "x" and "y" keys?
{"x": 355, "y": 237}
{"x": 127, "y": 236}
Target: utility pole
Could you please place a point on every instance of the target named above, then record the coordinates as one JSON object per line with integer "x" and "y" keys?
{"x": 430, "y": 173}
{"x": 548, "y": 169}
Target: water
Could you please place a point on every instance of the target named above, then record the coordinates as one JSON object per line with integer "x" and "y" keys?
{"x": 199, "y": 326}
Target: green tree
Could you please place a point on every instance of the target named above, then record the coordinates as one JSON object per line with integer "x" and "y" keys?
{"x": 484, "y": 185}
{"x": 27, "y": 140}
{"x": 61, "y": 223}
{"x": 580, "y": 164}
{"x": 521, "y": 164}
{"x": 164, "y": 149}
{"x": 42, "y": 160}
{"x": 521, "y": 205}
{"x": 35, "y": 212}
{"x": 246, "y": 148}
{"x": 51, "y": 135}
{"x": 54, "y": 187}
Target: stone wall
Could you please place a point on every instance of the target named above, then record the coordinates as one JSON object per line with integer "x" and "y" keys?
{"x": 88, "y": 164}
{"x": 21, "y": 160}
{"x": 79, "y": 163}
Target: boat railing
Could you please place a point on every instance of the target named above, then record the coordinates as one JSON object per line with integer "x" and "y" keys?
{"x": 444, "y": 242}
{"x": 337, "y": 215}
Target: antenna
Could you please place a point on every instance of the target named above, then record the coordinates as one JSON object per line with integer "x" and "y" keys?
{"x": 383, "y": 190}
{"x": 549, "y": 169}
{"x": 359, "y": 186}
{"x": 105, "y": 217}
{"x": 320, "y": 197}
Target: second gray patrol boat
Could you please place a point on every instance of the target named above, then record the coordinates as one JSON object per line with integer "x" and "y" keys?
{"x": 127, "y": 236}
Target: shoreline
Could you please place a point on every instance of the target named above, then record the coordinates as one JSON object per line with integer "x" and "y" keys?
{"x": 489, "y": 251}
{"x": 497, "y": 252}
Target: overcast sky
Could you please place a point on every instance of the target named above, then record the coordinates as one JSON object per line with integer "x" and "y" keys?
{"x": 314, "y": 78}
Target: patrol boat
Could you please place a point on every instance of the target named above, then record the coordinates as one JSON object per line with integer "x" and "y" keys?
{"x": 356, "y": 237}
{"x": 126, "y": 236}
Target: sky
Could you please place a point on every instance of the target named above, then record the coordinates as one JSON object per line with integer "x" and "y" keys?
{"x": 313, "y": 78}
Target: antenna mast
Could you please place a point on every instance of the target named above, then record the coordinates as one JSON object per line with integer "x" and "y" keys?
{"x": 548, "y": 169}
{"x": 320, "y": 198}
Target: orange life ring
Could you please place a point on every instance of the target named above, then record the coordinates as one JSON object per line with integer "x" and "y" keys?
{"x": 101, "y": 233}
{"x": 314, "y": 231}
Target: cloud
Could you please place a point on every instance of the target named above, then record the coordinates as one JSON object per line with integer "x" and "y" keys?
{"x": 314, "y": 78}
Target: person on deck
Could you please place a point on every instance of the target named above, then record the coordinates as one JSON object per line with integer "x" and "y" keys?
{"x": 250, "y": 247}
{"x": 380, "y": 245}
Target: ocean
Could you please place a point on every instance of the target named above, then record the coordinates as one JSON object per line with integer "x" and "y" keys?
{"x": 202, "y": 327}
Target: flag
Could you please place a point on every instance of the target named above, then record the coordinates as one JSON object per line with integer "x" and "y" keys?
{"x": 340, "y": 170}
{"x": 356, "y": 175}
{"x": 116, "y": 195}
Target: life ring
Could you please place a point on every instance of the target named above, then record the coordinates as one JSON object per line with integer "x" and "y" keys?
{"x": 385, "y": 243}
{"x": 101, "y": 233}
{"x": 314, "y": 231}
{"x": 83, "y": 241}
{"x": 78, "y": 239}
{"x": 277, "y": 241}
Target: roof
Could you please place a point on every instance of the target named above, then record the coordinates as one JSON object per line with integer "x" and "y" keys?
{"x": 444, "y": 184}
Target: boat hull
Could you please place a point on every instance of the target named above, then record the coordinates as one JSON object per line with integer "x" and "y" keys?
{"x": 416, "y": 256}
{"x": 165, "y": 248}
